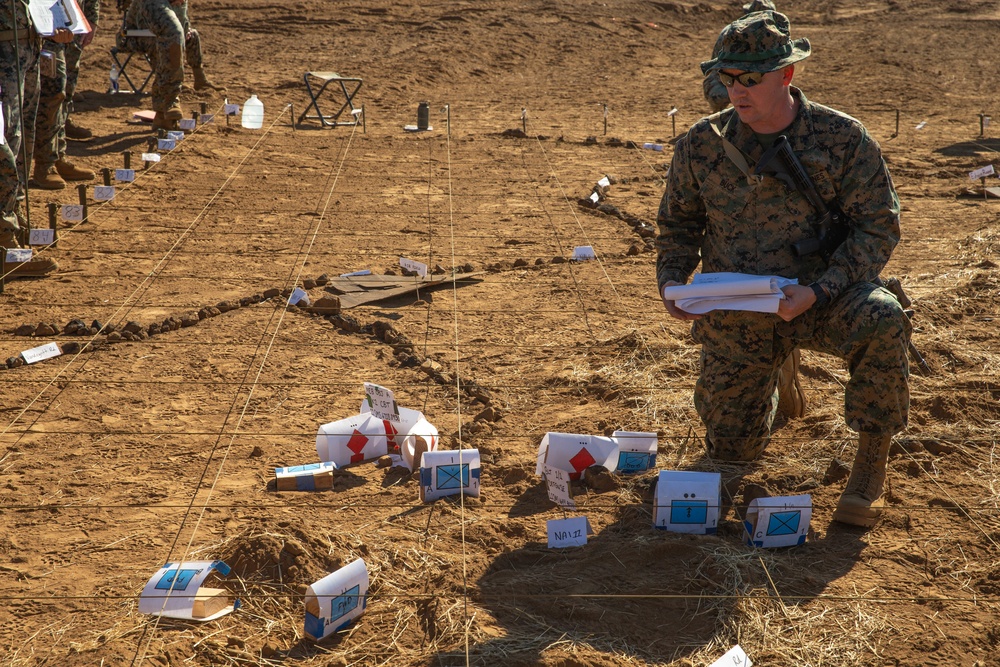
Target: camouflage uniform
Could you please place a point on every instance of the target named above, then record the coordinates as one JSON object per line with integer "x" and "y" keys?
{"x": 161, "y": 17}
{"x": 714, "y": 212}
{"x": 715, "y": 93}
{"x": 23, "y": 53}
{"x": 74, "y": 52}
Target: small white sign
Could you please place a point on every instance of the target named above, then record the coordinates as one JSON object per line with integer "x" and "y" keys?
{"x": 150, "y": 157}
{"x": 982, "y": 172}
{"x": 41, "y": 353}
{"x": 206, "y": 118}
{"x": 688, "y": 502}
{"x": 124, "y": 175}
{"x": 166, "y": 144}
{"x": 72, "y": 212}
{"x": 570, "y": 532}
{"x": 604, "y": 182}
{"x": 352, "y": 440}
{"x": 986, "y": 122}
{"x": 412, "y": 265}
{"x": 41, "y": 236}
{"x": 175, "y": 135}
{"x": 582, "y": 253}
{"x": 594, "y": 197}
{"x": 104, "y": 192}
{"x": 636, "y": 450}
{"x": 776, "y": 522}
{"x": 734, "y": 657}
{"x": 362, "y": 272}
{"x": 921, "y": 125}
{"x": 557, "y": 483}
{"x": 336, "y": 600}
{"x": 449, "y": 473}
{"x": 575, "y": 452}
{"x": 15, "y": 255}
{"x": 187, "y": 124}
{"x": 297, "y": 296}
{"x": 231, "y": 109}
{"x": 175, "y": 591}
{"x": 671, "y": 112}
{"x": 649, "y": 146}
{"x": 381, "y": 402}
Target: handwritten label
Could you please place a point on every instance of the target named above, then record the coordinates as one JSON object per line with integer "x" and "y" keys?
{"x": 231, "y": 109}
{"x": 187, "y": 124}
{"x": 41, "y": 353}
{"x": 583, "y": 252}
{"x": 297, "y": 296}
{"x": 166, "y": 144}
{"x": 416, "y": 267}
{"x": 41, "y": 236}
{"x": 175, "y": 135}
{"x": 104, "y": 192}
{"x": 604, "y": 182}
{"x": 150, "y": 157}
{"x": 734, "y": 657}
{"x": 649, "y": 146}
{"x": 15, "y": 255}
{"x": 557, "y": 482}
{"x": 382, "y": 402}
{"x": 125, "y": 175}
{"x": 72, "y": 212}
{"x": 206, "y": 118}
{"x": 570, "y": 532}
{"x": 982, "y": 172}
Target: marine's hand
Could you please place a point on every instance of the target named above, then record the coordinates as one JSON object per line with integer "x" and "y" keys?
{"x": 61, "y": 36}
{"x": 674, "y": 311}
{"x": 797, "y": 300}
{"x": 88, "y": 37}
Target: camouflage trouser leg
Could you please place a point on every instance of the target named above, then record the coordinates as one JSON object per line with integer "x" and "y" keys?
{"x": 8, "y": 189}
{"x": 50, "y": 118}
{"x": 73, "y": 54}
{"x": 168, "y": 36}
{"x": 14, "y": 91}
{"x": 192, "y": 49}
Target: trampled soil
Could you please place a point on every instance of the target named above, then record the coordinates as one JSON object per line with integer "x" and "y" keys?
{"x": 116, "y": 460}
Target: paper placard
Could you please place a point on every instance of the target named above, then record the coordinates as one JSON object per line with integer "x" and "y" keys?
{"x": 125, "y": 175}
{"x": 336, "y": 600}
{"x": 671, "y": 112}
{"x": 206, "y": 118}
{"x": 604, "y": 182}
{"x": 15, "y": 255}
{"x": 166, "y": 144}
{"x": 412, "y": 265}
{"x": 652, "y": 147}
{"x": 187, "y": 124}
{"x": 41, "y": 353}
{"x": 982, "y": 172}
{"x": 48, "y": 16}
{"x": 231, "y": 109}
{"x": 381, "y": 402}
{"x": 351, "y": 440}
{"x": 781, "y": 521}
{"x": 72, "y": 212}
{"x": 175, "y": 588}
{"x": 362, "y": 272}
{"x": 986, "y": 122}
{"x": 734, "y": 657}
{"x": 41, "y": 236}
{"x": 584, "y": 252}
{"x": 921, "y": 125}
{"x": 636, "y": 451}
{"x": 104, "y": 192}
{"x": 309, "y": 477}
{"x": 449, "y": 473}
{"x": 571, "y": 532}
{"x": 421, "y": 437}
{"x": 151, "y": 157}
{"x": 297, "y": 296}
{"x": 688, "y": 502}
{"x": 574, "y": 453}
{"x": 557, "y": 484}
{"x": 594, "y": 197}
{"x": 176, "y": 135}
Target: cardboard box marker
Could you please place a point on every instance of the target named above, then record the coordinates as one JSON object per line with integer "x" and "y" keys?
{"x": 209, "y": 601}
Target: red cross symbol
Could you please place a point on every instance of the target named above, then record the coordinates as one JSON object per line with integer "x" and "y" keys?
{"x": 580, "y": 462}
{"x": 356, "y": 444}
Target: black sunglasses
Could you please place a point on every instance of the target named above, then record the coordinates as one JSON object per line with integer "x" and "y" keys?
{"x": 747, "y": 79}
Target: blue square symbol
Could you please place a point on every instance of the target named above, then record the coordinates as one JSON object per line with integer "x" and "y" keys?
{"x": 344, "y": 603}
{"x": 689, "y": 511}
{"x": 183, "y": 577}
{"x": 448, "y": 476}
{"x": 784, "y": 523}
{"x": 634, "y": 461}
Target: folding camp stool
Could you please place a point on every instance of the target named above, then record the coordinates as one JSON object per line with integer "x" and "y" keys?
{"x": 131, "y": 38}
{"x": 348, "y": 88}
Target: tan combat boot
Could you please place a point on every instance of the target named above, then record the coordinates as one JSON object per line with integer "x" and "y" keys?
{"x": 861, "y": 504}
{"x": 36, "y": 267}
{"x": 44, "y": 176}
{"x": 791, "y": 398}
{"x": 161, "y": 123}
{"x": 76, "y": 132}
{"x": 202, "y": 82}
{"x": 174, "y": 112}
{"x": 71, "y": 172}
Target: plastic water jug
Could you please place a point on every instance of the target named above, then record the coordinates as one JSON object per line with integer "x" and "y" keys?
{"x": 253, "y": 113}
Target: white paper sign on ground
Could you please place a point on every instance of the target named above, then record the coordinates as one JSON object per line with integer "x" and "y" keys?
{"x": 604, "y": 182}
{"x": 382, "y": 402}
{"x": 351, "y": 440}
{"x": 583, "y": 252}
{"x": 557, "y": 483}
{"x": 166, "y": 144}
{"x": 688, "y": 502}
{"x": 636, "y": 450}
{"x": 362, "y": 272}
{"x": 176, "y": 135}
{"x": 421, "y": 437}
{"x": 921, "y": 125}
{"x": 649, "y": 146}
{"x": 106, "y": 192}
{"x": 15, "y": 255}
{"x": 575, "y": 453}
{"x": 231, "y": 109}
{"x": 734, "y": 657}
{"x": 206, "y": 118}
{"x": 412, "y": 265}
{"x": 41, "y": 236}
{"x": 336, "y": 600}
{"x": 187, "y": 123}
{"x": 150, "y": 157}
{"x": 571, "y": 532}
{"x": 594, "y": 197}
{"x": 309, "y": 477}
{"x": 297, "y": 296}
{"x": 781, "y": 521}
{"x": 41, "y": 353}
{"x": 395, "y": 432}
{"x": 124, "y": 175}
{"x": 175, "y": 591}
{"x": 982, "y": 172}
{"x": 449, "y": 473}
{"x": 72, "y": 212}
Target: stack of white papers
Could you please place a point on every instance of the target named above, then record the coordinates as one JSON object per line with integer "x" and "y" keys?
{"x": 729, "y": 291}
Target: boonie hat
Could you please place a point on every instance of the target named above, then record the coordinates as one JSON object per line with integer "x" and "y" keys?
{"x": 759, "y": 6}
{"x": 759, "y": 42}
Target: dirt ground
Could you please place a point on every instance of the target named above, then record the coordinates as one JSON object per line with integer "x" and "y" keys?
{"x": 132, "y": 453}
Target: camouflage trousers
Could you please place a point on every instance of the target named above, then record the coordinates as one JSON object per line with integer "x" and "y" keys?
{"x": 50, "y": 122}
{"x": 159, "y": 17}
{"x": 736, "y": 394}
{"x": 13, "y": 92}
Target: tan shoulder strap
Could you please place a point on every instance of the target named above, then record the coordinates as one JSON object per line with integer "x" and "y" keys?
{"x": 735, "y": 154}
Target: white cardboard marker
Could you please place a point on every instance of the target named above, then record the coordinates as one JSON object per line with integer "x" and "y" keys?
{"x": 41, "y": 236}
{"x": 557, "y": 484}
{"x": 351, "y": 440}
{"x": 688, "y": 502}
{"x": 582, "y": 253}
{"x": 309, "y": 477}
{"x": 175, "y": 591}
{"x": 41, "y": 353}
{"x": 636, "y": 451}
{"x": 604, "y": 182}
{"x": 206, "y": 118}
{"x": 187, "y": 124}
{"x": 176, "y": 135}
{"x": 782, "y": 521}
{"x": 72, "y": 212}
{"x": 231, "y": 109}
{"x": 297, "y": 296}
{"x": 594, "y": 197}
{"x": 381, "y": 402}
{"x": 571, "y": 532}
{"x": 15, "y": 255}
{"x": 124, "y": 175}
{"x": 734, "y": 657}
{"x": 921, "y": 125}
{"x": 574, "y": 453}
{"x": 649, "y": 146}
{"x": 412, "y": 265}
{"x": 336, "y": 600}
{"x": 449, "y": 473}
{"x": 150, "y": 157}
{"x": 105, "y": 192}
{"x": 362, "y": 272}
{"x": 166, "y": 144}
{"x": 982, "y": 172}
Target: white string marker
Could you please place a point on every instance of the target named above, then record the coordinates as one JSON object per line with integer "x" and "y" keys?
{"x": 150, "y": 157}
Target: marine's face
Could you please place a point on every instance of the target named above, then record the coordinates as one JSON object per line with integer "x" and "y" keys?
{"x": 760, "y": 105}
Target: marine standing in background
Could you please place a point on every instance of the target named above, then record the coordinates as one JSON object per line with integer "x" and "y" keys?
{"x": 716, "y": 210}
{"x": 192, "y": 52}
{"x": 715, "y": 93}
{"x": 160, "y": 17}
{"x": 74, "y": 52}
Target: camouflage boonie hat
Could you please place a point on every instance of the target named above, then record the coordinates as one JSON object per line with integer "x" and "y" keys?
{"x": 759, "y": 6}
{"x": 758, "y": 42}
